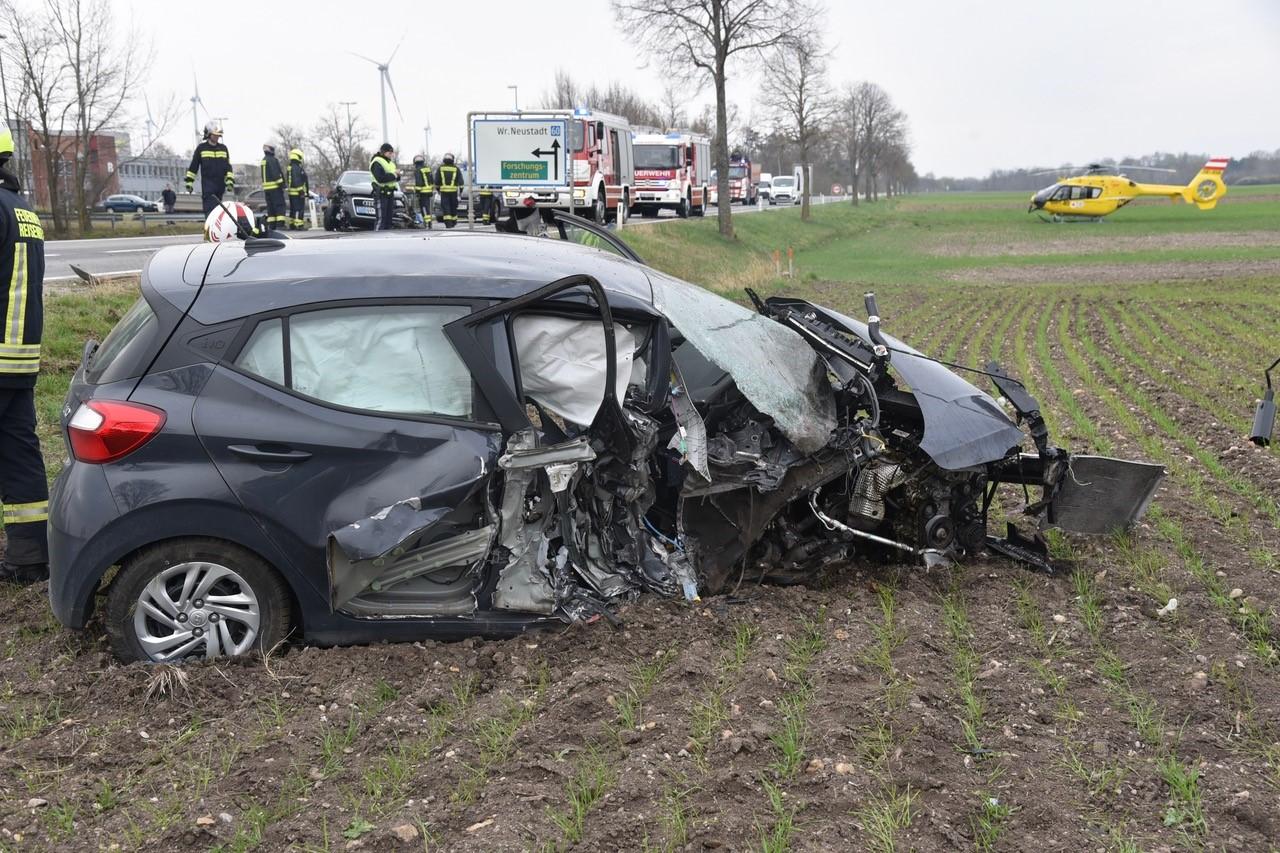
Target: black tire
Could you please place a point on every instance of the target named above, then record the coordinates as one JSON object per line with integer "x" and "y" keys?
{"x": 274, "y": 605}
{"x": 330, "y": 218}
{"x": 600, "y": 210}
{"x": 683, "y": 208}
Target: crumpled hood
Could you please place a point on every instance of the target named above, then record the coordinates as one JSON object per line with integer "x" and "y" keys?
{"x": 963, "y": 425}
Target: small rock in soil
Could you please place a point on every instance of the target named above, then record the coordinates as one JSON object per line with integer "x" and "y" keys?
{"x": 1236, "y": 593}
{"x": 405, "y": 832}
{"x": 814, "y": 766}
{"x": 36, "y": 802}
{"x": 844, "y": 768}
{"x": 205, "y": 820}
{"x": 225, "y": 817}
{"x": 1198, "y": 682}
{"x": 629, "y": 736}
{"x": 1059, "y": 618}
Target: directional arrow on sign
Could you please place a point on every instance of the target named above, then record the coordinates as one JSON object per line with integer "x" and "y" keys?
{"x": 555, "y": 156}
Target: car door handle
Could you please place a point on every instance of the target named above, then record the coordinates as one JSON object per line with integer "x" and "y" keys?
{"x": 259, "y": 454}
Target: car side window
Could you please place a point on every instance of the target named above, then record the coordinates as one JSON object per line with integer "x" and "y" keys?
{"x": 379, "y": 358}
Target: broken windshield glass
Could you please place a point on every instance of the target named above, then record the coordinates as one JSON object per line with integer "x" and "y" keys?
{"x": 772, "y": 366}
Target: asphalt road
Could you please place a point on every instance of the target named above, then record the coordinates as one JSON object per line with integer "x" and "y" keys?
{"x": 102, "y": 255}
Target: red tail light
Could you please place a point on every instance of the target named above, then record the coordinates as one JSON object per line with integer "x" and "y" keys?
{"x": 107, "y": 430}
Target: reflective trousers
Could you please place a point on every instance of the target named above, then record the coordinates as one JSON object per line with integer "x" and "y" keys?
{"x": 384, "y": 205}
{"x": 297, "y": 207}
{"x": 449, "y": 208}
{"x": 24, "y": 491}
{"x": 275, "y": 208}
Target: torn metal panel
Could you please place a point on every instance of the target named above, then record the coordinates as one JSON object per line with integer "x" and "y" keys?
{"x": 1100, "y": 495}
{"x": 771, "y": 365}
{"x": 690, "y": 437}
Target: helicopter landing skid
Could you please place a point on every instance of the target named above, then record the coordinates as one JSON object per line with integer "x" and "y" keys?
{"x": 1057, "y": 219}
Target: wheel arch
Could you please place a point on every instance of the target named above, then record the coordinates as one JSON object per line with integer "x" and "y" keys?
{"x": 74, "y": 603}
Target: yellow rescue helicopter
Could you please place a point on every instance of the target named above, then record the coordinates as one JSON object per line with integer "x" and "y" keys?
{"x": 1100, "y": 190}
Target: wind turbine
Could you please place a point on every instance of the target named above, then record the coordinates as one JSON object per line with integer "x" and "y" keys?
{"x": 384, "y": 77}
{"x": 195, "y": 99}
{"x": 151, "y": 122}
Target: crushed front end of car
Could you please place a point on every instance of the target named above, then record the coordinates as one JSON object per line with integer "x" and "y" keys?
{"x": 696, "y": 444}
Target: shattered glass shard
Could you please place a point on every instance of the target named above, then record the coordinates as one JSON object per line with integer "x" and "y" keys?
{"x": 772, "y": 366}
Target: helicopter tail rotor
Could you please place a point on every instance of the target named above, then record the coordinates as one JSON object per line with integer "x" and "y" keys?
{"x": 1207, "y": 187}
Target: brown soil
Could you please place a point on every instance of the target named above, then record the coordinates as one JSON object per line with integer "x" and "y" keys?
{"x": 1120, "y": 273}
{"x": 290, "y": 752}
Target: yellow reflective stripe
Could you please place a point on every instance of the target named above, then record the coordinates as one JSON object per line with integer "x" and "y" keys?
{"x": 20, "y": 350}
{"x": 19, "y": 367}
{"x": 25, "y": 513}
{"x": 17, "y": 296}
{"x": 221, "y": 154}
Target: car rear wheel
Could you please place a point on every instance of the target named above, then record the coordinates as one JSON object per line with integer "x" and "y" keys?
{"x": 194, "y": 598}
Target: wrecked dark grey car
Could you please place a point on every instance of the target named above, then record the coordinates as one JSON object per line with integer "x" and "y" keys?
{"x": 477, "y": 433}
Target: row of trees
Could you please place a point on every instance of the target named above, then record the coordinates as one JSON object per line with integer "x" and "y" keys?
{"x": 75, "y": 71}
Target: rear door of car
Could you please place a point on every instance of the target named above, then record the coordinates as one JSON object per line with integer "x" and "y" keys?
{"x": 349, "y": 430}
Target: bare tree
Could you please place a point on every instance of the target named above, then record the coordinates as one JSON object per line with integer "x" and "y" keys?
{"x": 45, "y": 106}
{"x": 105, "y": 68}
{"x": 287, "y": 137}
{"x": 849, "y": 133}
{"x": 337, "y": 138}
{"x": 707, "y": 36}
{"x": 566, "y": 93}
{"x": 672, "y": 108}
{"x": 796, "y": 91}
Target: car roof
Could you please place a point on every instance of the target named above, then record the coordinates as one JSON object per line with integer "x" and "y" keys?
{"x": 243, "y": 279}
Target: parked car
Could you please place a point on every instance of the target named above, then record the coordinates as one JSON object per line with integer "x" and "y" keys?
{"x": 351, "y": 203}
{"x": 125, "y": 203}
{"x": 362, "y": 440}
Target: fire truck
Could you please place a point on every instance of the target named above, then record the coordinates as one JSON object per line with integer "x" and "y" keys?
{"x": 744, "y": 179}
{"x": 672, "y": 172}
{"x": 600, "y": 153}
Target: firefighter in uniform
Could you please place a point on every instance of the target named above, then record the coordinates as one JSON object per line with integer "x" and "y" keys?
{"x": 24, "y": 492}
{"x": 448, "y": 183}
{"x": 385, "y": 180}
{"x": 213, "y": 162}
{"x": 485, "y": 206}
{"x": 423, "y": 187}
{"x": 273, "y": 187}
{"x": 299, "y": 190}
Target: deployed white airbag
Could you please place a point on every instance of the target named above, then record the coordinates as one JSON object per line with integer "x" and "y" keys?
{"x": 563, "y": 364}
{"x": 381, "y": 358}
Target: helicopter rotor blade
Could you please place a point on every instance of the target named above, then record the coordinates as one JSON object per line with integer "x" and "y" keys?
{"x": 1146, "y": 168}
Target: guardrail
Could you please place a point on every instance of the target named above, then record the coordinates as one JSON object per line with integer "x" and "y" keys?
{"x": 153, "y": 218}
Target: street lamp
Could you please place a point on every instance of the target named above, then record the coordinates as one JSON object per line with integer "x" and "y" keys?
{"x": 515, "y": 94}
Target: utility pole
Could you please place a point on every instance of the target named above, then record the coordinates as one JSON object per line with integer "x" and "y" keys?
{"x": 515, "y": 94}
{"x": 348, "y": 105}
{"x": 426, "y": 142}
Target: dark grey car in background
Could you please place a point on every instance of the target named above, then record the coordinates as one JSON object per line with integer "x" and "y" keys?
{"x": 403, "y": 436}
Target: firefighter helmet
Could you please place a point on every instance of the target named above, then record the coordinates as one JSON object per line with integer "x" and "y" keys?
{"x": 6, "y": 143}
{"x": 221, "y": 224}
{"x": 213, "y": 128}
{"x": 295, "y": 154}
{"x": 418, "y": 158}
{"x": 448, "y": 158}
{"x": 269, "y": 148}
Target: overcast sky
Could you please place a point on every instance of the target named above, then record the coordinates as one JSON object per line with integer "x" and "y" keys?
{"x": 996, "y": 83}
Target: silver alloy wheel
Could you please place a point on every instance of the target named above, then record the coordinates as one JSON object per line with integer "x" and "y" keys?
{"x": 194, "y": 609}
